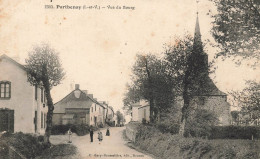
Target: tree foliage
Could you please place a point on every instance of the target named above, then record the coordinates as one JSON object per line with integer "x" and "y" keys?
{"x": 201, "y": 123}
{"x": 248, "y": 100}
{"x": 150, "y": 81}
{"x": 237, "y": 28}
{"x": 44, "y": 69}
{"x": 119, "y": 117}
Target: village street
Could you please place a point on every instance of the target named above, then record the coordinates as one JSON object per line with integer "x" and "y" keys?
{"x": 112, "y": 147}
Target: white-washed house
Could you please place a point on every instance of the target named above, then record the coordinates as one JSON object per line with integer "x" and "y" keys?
{"x": 22, "y": 106}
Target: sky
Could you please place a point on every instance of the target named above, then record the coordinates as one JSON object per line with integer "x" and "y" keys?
{"x": 97, "y": 47}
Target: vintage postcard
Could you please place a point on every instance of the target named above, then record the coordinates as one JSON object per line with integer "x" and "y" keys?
{"x": 119, "y": 79}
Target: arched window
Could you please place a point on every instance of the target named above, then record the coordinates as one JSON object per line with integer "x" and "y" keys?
{"x": 5, "y": 89}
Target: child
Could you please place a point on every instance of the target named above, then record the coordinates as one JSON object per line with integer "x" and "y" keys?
{"x": 100, "y": 136}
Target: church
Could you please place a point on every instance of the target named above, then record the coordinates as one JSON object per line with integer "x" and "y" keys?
{"x": 201, "y": 91}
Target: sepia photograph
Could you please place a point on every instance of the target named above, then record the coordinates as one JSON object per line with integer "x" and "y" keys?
{"x": 121, "y": 79}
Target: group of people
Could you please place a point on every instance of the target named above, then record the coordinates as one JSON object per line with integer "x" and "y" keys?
{"x": 100, "y": 135}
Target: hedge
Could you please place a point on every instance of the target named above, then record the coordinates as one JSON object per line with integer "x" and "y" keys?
{"x": 80, "y": 130}
{"x": 235, "y": 132}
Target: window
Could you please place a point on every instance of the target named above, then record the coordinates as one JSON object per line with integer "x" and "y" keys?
{"x": 35, "y": 92}
{"x": 44, "y": 97}
{"x": 5, "y": 89}
{"x": 41, "y": 120}
{"x": 44, "y": 120}
{"x": 41, "y": 94}
{"x": 91, "y": 109}
{"x": 95, "y": 107}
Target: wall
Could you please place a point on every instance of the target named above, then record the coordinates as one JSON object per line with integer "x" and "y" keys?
{"x": 144, "y": 112}
{"x": 135, "y": 113}
{"x": 130, "y": 133}
{"x": 57, "y": 118}
{"x": 217, "y": 104}
{"x": 98, "y": 113}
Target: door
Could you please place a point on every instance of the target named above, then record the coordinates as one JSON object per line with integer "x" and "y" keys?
{"x": 95, "y": 120}
{"x": 7, "y": 120}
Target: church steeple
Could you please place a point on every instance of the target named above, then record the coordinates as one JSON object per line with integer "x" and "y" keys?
{"x": 197, "y": 45}
{"x": 198, "y": 53}
{"x": 197, "y": 34}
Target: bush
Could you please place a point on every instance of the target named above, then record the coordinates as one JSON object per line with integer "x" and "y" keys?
{"x": 235, "y": 132}
{"x": 110, "y": 123}
{"x": 26, "y": 144}
{"x": 200, "y": 123}
{"x": 169, "y": 128}
{"x": 80, "y": 130}
{"x": 101, "y": 125}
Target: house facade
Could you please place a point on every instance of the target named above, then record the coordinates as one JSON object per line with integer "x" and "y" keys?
{"x": 141, "y": 111}
{"x": 22, "y": 106}
{"x": 78, "y": 107}
{"x": 109, "y": 114}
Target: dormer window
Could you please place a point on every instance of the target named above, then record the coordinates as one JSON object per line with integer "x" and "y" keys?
{"x": 5, "y": 89}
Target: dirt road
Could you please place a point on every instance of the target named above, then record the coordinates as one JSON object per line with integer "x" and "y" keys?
{"x": 112, "y": 147}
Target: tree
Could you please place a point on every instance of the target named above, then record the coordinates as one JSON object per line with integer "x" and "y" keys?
{"x": 119, "y": 117}
{"x": 151, "y": 82}
{"x": 44, "y": 68}
{"x": 249, "y": 100}
{"x": 237, "y": 28}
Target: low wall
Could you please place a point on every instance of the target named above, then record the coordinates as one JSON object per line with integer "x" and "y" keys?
{"x": 130, "y": 133}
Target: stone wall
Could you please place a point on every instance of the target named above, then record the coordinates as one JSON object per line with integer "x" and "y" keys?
{"x": 130, "y": 132}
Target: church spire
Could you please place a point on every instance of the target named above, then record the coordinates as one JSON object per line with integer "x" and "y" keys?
{"x": 197, "y": 35}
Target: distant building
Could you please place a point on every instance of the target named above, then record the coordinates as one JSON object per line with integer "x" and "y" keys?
{"x": 109, "y": 114}
{"x": 141, "y": 111}
{"x": 22, "y": 106}
{"x": 78, "y": 107}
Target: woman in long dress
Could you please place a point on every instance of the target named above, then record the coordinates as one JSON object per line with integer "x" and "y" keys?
{"x": 108, "y": 132}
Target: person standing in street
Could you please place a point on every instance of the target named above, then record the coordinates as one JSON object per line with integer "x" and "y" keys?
{"x": 69, "y": 133}
{"x": 91, "y": 133}
{"x": 100, "y": 136}
{"x": 108, "y": 132}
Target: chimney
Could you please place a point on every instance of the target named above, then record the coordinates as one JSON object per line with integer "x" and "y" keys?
{"x": 76, "y": 86}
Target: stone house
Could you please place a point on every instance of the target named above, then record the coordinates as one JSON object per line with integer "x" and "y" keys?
{"x": 78, "y": 107}
{"x": 22, "y": 106}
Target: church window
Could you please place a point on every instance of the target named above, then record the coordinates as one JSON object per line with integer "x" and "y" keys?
{"x": 5, "y": 89}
